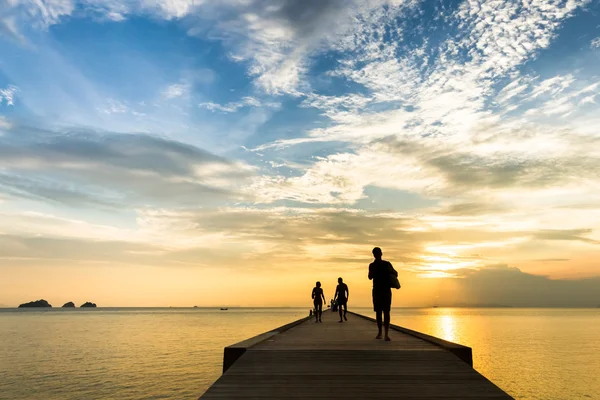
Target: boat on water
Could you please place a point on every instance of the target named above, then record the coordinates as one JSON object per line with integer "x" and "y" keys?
{"x": 224, "y": 309}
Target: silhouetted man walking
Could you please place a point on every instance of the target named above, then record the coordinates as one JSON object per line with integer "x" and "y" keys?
{"x": 341, "y": 294}
{"x": 380, "y": 272}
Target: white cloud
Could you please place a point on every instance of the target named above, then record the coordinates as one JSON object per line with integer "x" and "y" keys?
{"x": 41, "y": 13}
{"x": 117, "y": 107}
{"x": 277, "y": 38}
{"x": 595, "y": 43}
{"x": 436, "y": 97}
{"x": 7, "y": 95}
{"x": 176, "y": 90}
{"x": 170, "y": 9}
{"x": 588, "y": 100}
{"x": 247, "y": 101}
{"x": 114, "y": 107}
{"x": 9, "y": 28}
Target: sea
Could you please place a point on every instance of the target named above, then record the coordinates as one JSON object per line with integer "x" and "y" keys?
{"x": 176, "y": 353}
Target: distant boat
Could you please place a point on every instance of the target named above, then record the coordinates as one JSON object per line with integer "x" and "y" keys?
{"x": 435, "y": 306}
{"x": 195, "y": 306}
{"x": 224, "y": 309}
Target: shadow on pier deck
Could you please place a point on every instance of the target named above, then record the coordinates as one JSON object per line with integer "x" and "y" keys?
{"x": 306, "y": 360}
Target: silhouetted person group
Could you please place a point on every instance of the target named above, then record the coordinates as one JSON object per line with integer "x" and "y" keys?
{"x": 384, "y": 277}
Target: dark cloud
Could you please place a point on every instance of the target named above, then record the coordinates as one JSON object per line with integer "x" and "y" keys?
{"x": 324, "y": 227}
{"x": 503, "y": 285}
{"x": 53, "y": 191}
{"x": 566, "y": 234}
{"x": 112, "y": 168}
{"x": 463, "y": 170}
{"x": 289, "y": 232}
{"x": 49, "y": 251}
{"x": 344, "y": 237}
{"x": 500, "y": 171}
{"x": 52, "y": 251}
{"x": 472, "y": 209}
{"x": 306, "y": 17}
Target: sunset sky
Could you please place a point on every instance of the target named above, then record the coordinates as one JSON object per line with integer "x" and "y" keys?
{"x": 233, "y": 152}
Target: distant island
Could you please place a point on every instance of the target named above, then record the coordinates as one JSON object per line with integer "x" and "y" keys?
{"x": 37, "y": 303}
{"x": 44, "y": 303}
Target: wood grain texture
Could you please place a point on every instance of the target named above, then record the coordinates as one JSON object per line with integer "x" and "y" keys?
{"x": 344, "y": 360}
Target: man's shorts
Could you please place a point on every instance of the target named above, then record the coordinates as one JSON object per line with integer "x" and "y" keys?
{"x": 382, "y": 300}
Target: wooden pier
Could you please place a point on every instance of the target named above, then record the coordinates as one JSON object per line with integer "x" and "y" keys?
{"x": 308, "y": 360}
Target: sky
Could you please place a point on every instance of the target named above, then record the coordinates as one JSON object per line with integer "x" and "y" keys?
{"x": 233, "y": 152}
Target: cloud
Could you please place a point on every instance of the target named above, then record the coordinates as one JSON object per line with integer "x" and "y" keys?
{"x": 7, "y": 95}
{"x": 504, "y": 285}
{"x": 83, "y": 167}
{"x": 533, "y": 160}
{"x": 41, "y": 13}
{"x": 573, "y": 234}
{"x": 8, "y": 28}
{"x": 176, "y": 90}
{"x": 467, "y": 119}
{"x": 595, "y": 43}
{"x": 115, "y": 107}
{"x": 247, "y": 101}
{"x": 423, "y": 244}
{"x": 447, "y": 106}
{"x": 277, "y": 38}
{"x": 32, "y": 250}
{"x": 473, "y": 209}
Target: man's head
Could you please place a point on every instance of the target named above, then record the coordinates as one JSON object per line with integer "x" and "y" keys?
{"x": 377, "y": 253}
{"x": 340, "y": 280}
{"x": 318, "y": 284}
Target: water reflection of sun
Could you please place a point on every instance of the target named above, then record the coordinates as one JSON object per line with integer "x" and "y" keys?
{"x": 447, "y": 327}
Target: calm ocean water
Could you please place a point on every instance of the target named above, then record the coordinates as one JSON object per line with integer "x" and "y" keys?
{"x": 177, "y": 353}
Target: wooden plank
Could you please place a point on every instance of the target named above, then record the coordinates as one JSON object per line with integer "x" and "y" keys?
{"x": 235, "y": 351}
{"x": 330, "y": 359}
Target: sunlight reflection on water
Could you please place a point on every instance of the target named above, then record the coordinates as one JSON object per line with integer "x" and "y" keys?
{"x": 446, "y": 328}
{"x": 533, "y": 354}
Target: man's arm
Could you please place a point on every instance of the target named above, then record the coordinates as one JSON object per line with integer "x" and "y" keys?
{"x": 347, "y": 292}
{"x": 313, "y": 294}
{"x": 337, "y": 292}
{"x": 370, "y": 271}
{"x": 323, "y": 295}
{"x": 392, "y": 269}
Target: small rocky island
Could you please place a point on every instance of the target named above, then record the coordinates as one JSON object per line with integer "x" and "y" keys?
{"x": 68, "y": 305}
{"x": 37, "y": 303}
{"x": 88, "y": 304}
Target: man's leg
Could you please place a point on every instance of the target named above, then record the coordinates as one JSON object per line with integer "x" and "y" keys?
{"x": 340, "y": 312}
{"x": 345, "y": 310}
{"x": 320, "y": 311}
{"x": 379, "y": 322}
{"x": 386, "y": 324}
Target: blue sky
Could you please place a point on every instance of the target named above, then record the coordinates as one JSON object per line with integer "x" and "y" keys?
{"x": 194, "y": 130}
